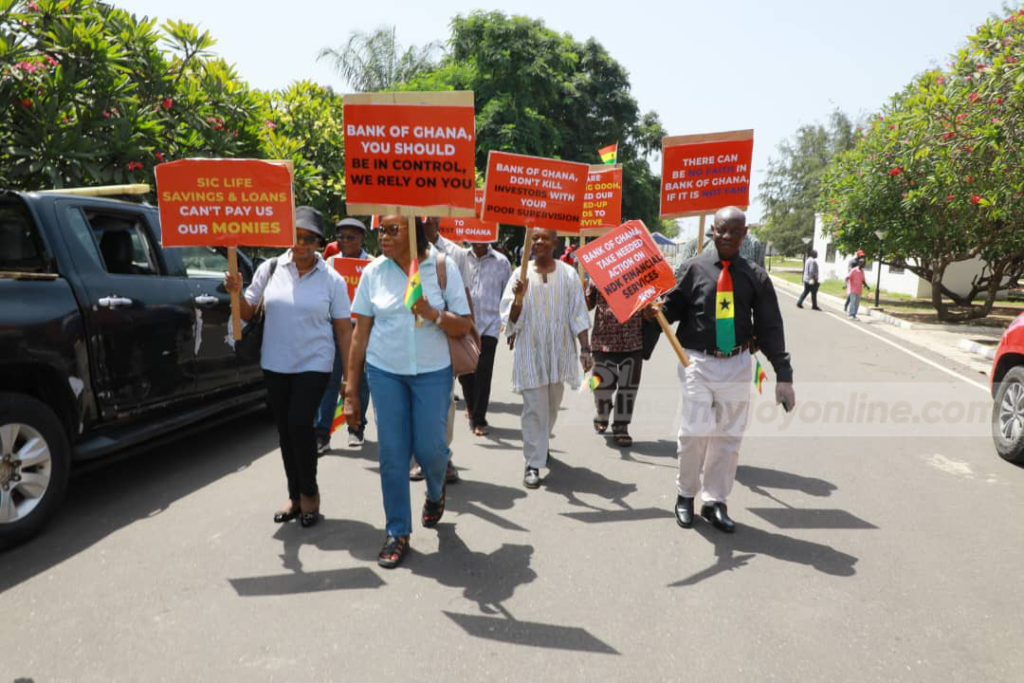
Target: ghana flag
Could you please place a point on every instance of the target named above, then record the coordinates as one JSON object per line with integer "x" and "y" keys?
{"x": 725, "y": 323}
{"x": 339, "y": 415}
{"x": 609, "y": 154}
{"x": 759, "y": 375}
{"x": 413, "y": 288}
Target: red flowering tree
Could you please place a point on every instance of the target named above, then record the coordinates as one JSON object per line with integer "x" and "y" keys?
{"x": 87, "y": 96}
{"x": 940, "y": 170}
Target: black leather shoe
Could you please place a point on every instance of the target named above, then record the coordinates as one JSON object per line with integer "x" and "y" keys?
{"x": 684, "y": 511}
{"x": 717, "y": 514}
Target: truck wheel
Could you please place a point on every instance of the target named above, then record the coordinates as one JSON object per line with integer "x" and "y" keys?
{"x": 34, "y": 466}
{"x": 1008, "y": 416}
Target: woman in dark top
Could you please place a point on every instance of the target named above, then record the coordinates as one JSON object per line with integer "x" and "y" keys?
{"x": 618, "y": 361}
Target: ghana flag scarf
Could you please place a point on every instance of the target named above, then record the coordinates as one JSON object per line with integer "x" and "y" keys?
{"x": 725, "y": 322}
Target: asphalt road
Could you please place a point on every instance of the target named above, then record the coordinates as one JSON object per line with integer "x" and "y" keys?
{"x": 866, "y": 550}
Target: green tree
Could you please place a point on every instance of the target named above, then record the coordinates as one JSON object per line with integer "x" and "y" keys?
{"x": 940, "y": 170}
{"x": 790, "y": 190}
{"x": 543, "y": 93}
{"x": 375, "y": 61}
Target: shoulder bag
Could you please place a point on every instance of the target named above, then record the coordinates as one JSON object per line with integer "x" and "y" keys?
{"x": 465, "y": 350}
{"x": 249, "y": 347}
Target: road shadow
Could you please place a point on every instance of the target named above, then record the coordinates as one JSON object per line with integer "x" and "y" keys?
{"x": 110, "y": 497}
{"x": 569, "y": 481}
{"x": 481, "y": 499}
{"x": 758, "y": 479}
{"x": 661, "y": 448}
{"x": 490, "y": 579}
{"x": 734, "y": 551}
{"x": 506, "y": 408}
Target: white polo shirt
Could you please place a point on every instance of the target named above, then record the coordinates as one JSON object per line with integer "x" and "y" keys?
{"x": 298, "y": 335}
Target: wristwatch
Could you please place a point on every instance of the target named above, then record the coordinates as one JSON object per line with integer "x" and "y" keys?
{"x": 584, "y": 349}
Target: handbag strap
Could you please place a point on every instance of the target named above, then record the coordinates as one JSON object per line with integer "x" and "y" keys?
{"x": 273, "y": 267}
{"x": 442, "y": 275}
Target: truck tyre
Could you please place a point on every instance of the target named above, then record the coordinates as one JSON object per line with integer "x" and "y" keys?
{"x": 1008, "y": 416}
{"x": 34, "y": 466}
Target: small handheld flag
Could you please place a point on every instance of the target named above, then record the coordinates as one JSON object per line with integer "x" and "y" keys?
{"x": 339, "y": 415}
{"x": 759, "y": 375}
{"x": 414, "y": 288}
{"x": 609, "y": 154}
{"x": 594, "y": 382}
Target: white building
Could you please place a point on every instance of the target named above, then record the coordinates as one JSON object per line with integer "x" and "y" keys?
{"x": 833, "y": 264}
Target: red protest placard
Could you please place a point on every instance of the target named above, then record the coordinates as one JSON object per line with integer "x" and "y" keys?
{"x": 602, "y": 199}
{"x": 702, "y": 173}
{"x": 628, "y": 268}
{"x": 351, "y": 269}
{"x": 534, "y": 191}
{"x": 410, "y": 150}
{"x": 470, "y": 229}
{"x": 225, "y": 202}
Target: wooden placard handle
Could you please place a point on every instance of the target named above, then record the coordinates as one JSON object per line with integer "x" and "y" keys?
{"x": 527, "y": 248}
{"x": 236, "y": 301}
{"x": 667, "y": 329}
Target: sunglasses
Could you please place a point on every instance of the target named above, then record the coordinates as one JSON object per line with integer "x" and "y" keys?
{"x": 391, "y": 230}
{"x": 349, "y": 238}
{"x": 306, "y": 239}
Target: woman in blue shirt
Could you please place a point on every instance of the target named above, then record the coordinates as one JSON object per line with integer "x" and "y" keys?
{"x": 409, "y": 371}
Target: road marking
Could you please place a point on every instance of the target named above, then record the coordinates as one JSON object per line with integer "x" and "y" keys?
{"x": 860, "y": 328}
{"x": 948, "y": 465}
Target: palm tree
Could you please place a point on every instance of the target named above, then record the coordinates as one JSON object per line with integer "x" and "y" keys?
{"x": 374, "y": 61}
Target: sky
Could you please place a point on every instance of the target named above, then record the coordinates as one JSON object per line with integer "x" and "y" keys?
{"x": 702, "y": 66}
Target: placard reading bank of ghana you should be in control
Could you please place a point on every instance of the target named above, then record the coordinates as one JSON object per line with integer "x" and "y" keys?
{"x": 702, "y": 173}
{"x": 225, "y": 202}
{"x": 410, "y": 150}
{"x": 534, "y": 191}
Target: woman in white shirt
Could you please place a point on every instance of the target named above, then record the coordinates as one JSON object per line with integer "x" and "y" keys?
{"x": 307, "y": 317}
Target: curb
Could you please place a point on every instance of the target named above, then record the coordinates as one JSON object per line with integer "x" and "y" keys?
{"x": 836, "y": 302}
{"x": 983, "y": 350}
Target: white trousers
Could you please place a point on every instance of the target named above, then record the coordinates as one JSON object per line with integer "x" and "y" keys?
{"x": 714, "y": 410}
{"x": 540, "y": 410}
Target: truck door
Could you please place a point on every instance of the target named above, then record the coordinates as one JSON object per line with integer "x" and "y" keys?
{"x": 139, "y": 318}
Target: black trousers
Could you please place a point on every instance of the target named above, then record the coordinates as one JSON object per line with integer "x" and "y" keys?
{"x": 812, "y": 289}
{"x": 620, "y": 379}
{"x": 294, "y": 400}
{"x": 476, "y": 388}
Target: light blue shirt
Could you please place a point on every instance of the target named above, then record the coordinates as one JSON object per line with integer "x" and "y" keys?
{"x": 396, "y": 345}
{"x": 298, "y": 335}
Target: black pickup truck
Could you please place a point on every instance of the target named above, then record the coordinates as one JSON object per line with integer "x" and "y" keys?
{"x": 109, "y": 343}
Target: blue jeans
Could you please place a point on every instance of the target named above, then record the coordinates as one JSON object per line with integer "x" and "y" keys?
{"x": 328, "y": 404}
{"x": 854, "y": 305}
{"x": 414, "y": 421}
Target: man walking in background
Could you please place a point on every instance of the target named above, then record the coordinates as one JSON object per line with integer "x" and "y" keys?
{"x": 487, "y": 273}
{"x": 810, "y": 281}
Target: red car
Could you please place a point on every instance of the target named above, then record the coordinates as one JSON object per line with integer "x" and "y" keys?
{"x": 1008, "y": 392}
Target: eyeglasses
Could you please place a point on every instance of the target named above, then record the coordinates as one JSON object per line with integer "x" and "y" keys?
{"x": 391, "y": 230}
{"x": 349, "y": 238}
{"x": 306, "y": 239}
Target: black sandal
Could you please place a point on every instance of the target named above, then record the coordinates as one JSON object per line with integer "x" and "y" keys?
{"x": 622, "y": 437}
{"x": 393, "y": 551}
{"x": 433, "y": 511}
{"x": 600, "y": 426}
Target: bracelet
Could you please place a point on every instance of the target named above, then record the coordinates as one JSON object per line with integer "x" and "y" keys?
{"x": 584, "y": 349}
{"x": 437, "y": 320}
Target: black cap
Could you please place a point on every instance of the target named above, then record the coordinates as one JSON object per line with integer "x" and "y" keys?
{"x": 308, "y": 218}
{"x": 350, "y": 222}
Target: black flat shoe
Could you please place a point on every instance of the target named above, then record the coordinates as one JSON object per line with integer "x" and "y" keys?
{"x": 308, "y": 519}
{"x": 282, "y": 516}
{"x": 684, "y": 512}
{"x": 717, "y": 514}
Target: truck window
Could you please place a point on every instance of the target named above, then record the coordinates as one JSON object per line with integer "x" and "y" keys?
{"x": 123, "y": 244}
{"x": 80, "y": 231}
{"x": 21, "y": 249}
{"x": 205, "y": 262}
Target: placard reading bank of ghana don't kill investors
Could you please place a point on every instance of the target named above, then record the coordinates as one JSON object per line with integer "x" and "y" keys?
{"x": 225, "y": 202}
{"x": 410, "y": 150}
